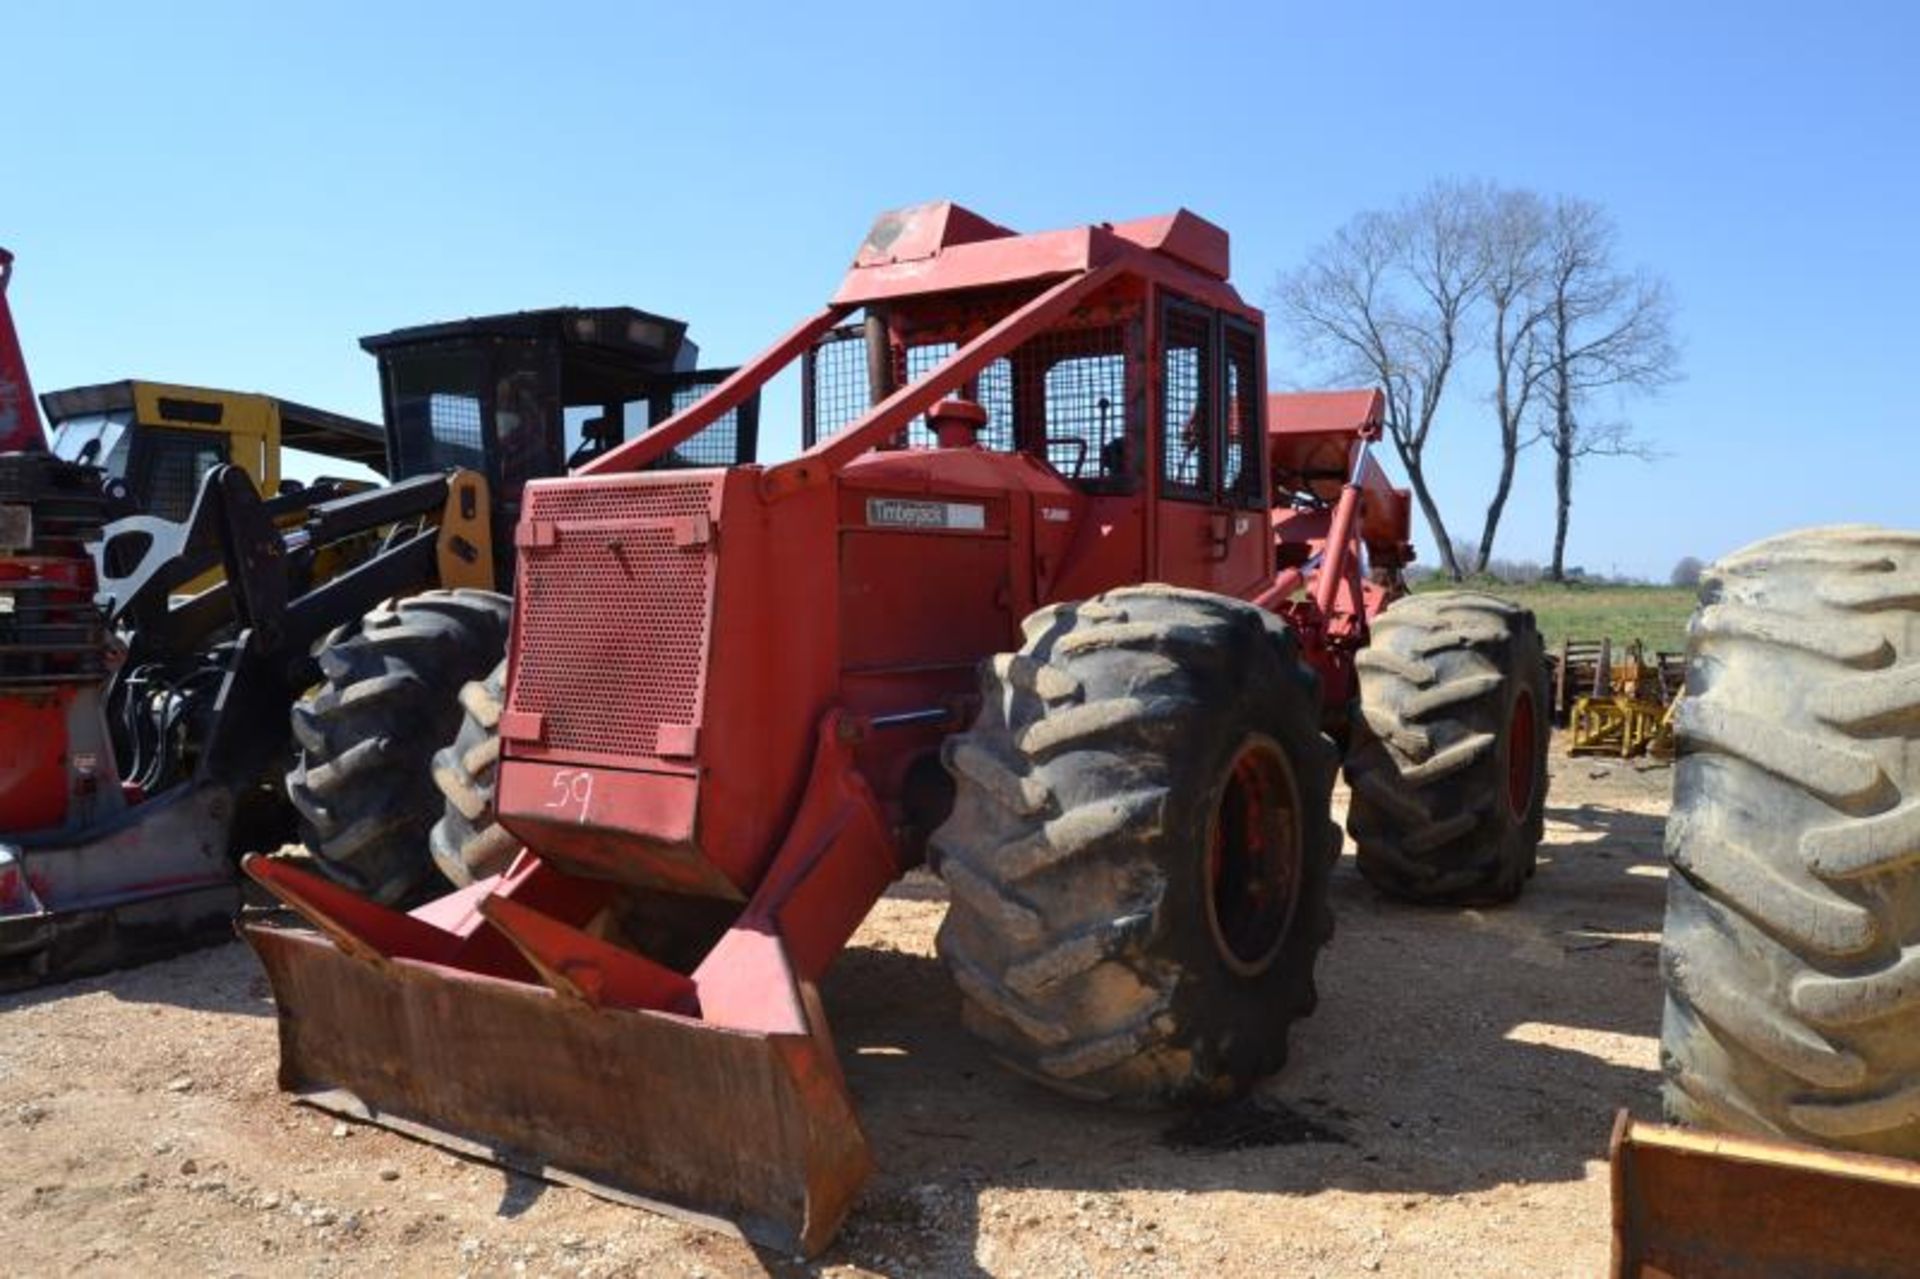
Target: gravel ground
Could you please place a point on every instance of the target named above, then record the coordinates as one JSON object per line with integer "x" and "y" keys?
{"x": 1446, "y": 1112}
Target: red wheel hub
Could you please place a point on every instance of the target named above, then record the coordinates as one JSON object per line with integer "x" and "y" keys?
{"x": 1520, "y": 756}
{"x": 1253, "y": 858}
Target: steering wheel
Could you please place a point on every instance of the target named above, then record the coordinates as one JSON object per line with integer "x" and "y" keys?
{"x": 1078, "y": 444}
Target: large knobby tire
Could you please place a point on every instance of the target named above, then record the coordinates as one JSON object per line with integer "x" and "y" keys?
{"x": 1139, "y": 848}
{"x": 1448, "y": 763}
{"x": 1792, "y": 944}
{"x": 468, "y": 842}
{"x": 362, "y": 783}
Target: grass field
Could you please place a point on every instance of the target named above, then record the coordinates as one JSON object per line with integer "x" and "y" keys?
{"x": 1655, "y": 615}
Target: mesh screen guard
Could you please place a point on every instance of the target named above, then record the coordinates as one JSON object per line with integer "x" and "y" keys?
{"x": 614, "y": 595}
{"x": 1071, "y": 394}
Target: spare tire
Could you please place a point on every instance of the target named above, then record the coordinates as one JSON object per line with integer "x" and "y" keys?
{"x": 362, "y": 783}
{"x": 1791, "y": 953}
{"x": 1139, "y": 847}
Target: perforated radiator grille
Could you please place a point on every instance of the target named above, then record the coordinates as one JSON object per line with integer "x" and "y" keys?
{"x": 614, "y": 608}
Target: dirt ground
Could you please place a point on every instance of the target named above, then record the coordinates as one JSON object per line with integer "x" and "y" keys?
{"x": 1445, "y": 1113}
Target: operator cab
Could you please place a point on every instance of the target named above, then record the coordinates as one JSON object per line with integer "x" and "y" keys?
{"x": 156, "y": 442}
{"x": 530, "y": 394}
{"x": 1146, "y": 400}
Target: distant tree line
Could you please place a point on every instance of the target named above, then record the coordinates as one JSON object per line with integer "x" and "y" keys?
{"x": 1687, "y": 571}
{"x": 1407, "y": 298}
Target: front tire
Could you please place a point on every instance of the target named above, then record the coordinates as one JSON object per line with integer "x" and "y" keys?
{"x": 362, "y": 784}
{"x": 468, "y": 842}
{"x": 1448, "y": 764}
{"x": 1139, "y": 848}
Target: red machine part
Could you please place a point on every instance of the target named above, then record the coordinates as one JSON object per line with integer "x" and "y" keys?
{"x": 85, "y": 883}
{"x": 727, "y": 684}
{"x": 1331, "y": 500}
{"x": 52, "y": 637}
{"x": 33, "y": 782}
{"x": 20, "y": 429}
{"x": 38, "y": 775}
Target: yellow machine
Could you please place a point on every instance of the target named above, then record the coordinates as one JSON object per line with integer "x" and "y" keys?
{"x": 1628, "y": 708}
{"x": 160, "y": 440}
{"x": 156, "y": 442}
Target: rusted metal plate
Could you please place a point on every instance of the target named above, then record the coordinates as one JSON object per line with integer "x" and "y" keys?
{"x": 1696, "y": 1205}
{"x": 655, "y": 1108}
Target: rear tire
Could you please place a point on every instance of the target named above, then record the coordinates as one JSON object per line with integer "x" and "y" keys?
{"x": 1139, "y": 847}
{"x": 1448, "y": 764}
{"x": 362, "y": 784}
{"x": 1791, "y": 952}
{"x": 468, "y": 842}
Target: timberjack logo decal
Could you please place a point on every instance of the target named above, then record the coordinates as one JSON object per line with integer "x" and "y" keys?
{"x": 900, "y": 512}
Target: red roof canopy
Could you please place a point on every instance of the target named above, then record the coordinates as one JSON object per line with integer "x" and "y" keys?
{"x": 938, "y": 247}
{"x": 1359, "y": 412}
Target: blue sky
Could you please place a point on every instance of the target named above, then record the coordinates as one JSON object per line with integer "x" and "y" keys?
{"x": 233, "y": 194}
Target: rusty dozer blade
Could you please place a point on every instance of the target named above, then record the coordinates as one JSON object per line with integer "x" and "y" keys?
{"x": 715, "y": 1096}
{"x": 1694, "y": 1205}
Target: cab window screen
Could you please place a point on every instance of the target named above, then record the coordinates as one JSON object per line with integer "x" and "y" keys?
{"x": 992, "y": 391}
{"x": 837, "y": 391}
{"x": 438, "y": 412}
{"x": 453, "y": 424}
{"x": 176, "y": 463}
{"x": 1187, "y": 405}
{"x": 1083, "y": 400}
{"x": 1242, "y": 469}
{"x": 728, "y": 441}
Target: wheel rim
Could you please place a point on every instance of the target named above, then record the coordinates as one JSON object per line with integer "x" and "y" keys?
{"x": 1520, "y": 753}
{"x": 1253, "y": 858}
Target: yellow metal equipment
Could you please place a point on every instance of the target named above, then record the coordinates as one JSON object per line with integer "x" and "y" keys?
{"x": 1621, "y": 726}
{"x": 1689, "y": 1204}
{"x": 157, "y": 441}
{"x": 1628, "y": 713}
{"x": 160, "y": 440}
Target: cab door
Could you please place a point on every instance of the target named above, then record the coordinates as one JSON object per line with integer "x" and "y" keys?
{"x": 1247, "y": 565}
{"x": 1210, "y": 533}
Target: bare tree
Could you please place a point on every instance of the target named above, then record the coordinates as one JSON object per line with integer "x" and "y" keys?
{"x": 1605, "y": 331}
{"x": 1387, "y": 301}
{"x": 1513, "y": 245}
